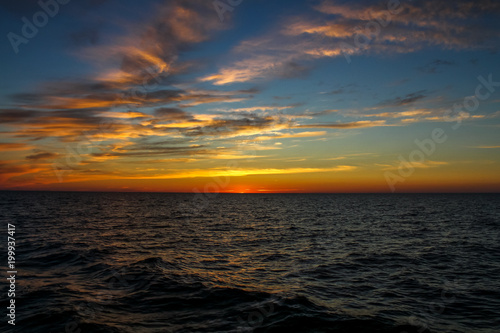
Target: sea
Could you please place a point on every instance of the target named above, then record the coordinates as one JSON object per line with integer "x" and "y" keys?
{"x": 160, "y": 262}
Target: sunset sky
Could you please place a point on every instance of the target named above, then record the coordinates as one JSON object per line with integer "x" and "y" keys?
{"x": 250, "y": 96}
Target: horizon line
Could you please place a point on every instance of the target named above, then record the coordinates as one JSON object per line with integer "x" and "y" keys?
{"x": 166, "y": 192}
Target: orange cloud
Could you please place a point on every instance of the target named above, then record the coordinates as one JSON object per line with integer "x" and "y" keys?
{"x": 291, "y": 135}
{"x": 14, "y": 146}
{"x": 353, "y": 124}
{"x": 238, "y": 172}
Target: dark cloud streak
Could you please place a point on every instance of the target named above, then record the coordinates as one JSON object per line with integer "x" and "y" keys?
{"x": 405, "y": 100}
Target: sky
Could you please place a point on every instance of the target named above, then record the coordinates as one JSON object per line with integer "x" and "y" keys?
{"x": 250, "y": 96}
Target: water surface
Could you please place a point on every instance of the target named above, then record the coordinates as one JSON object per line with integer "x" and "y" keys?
{"x": 151, "y": 262}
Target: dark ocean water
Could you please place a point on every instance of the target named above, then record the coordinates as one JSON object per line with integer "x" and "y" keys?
{"x": 128, "y": 262}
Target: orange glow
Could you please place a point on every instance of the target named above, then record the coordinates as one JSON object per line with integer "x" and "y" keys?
{"x": 42, "y": 177}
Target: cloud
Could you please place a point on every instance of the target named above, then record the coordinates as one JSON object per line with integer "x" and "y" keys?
{"x": 335, "y": 158}
{"x": 433, "y": 66}
{"x": 256, "y": 108}
{"x": 487, "y": 147}
{"x": 151, "y": 150}
{"x": 13, "y": 146}
{"x": 246, "y": 70}
{"x": 343, "y": 89}
{"x": 405, "y": 100}
{"x": 401, "y": 114}
{"x": 133, "y": 69}
{"x": 172, "y": 115}
{"x": 96, "y": 127}
{"x": 245, "y": 125}
{"x": 157, "y": 44}
{"x": 419, "y": 165}
{"x": 16, "y": 115}
{"x": 241, "y": 172}
{"x": 41, "y": 156}
{"x": 317, "y": 114}
{"x": 290, "y": 135}
{"x": 289, "y": 50}
{"x": 137, "y": 72}
{"x": 354, "y": 124}
{"x": 124, "y": 115}
{"x": 67, "y": 124}
{"x": 82, "y": 96}
{"x": 11, "y": 169}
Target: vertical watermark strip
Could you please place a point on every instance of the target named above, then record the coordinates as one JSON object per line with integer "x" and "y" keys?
{"x": 11, "y": 273}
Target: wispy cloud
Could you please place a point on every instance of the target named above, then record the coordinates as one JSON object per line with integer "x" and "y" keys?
{"x": 418, "y": 165}
{"x": 290, "y": 135}
{"x": 14, "y": 146}
{"x": 288, "y": 51}
{"x": 434, "y": 66}
{"x": 487, "y": 147}
{"x": 354, "y": 124}
{"x": 254, "y": 108}
{"x": 405, "y": 100}
{"x": 41, "y": 156}
{"x": 401, "y": 114}
{"x": 245, "y": 172}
